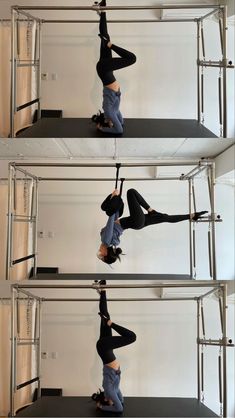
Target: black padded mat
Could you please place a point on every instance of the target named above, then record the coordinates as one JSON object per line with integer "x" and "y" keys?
{"x": 114, "y": 276}
{"x": 134, "y": 128}
{"x": 71, "y": 406}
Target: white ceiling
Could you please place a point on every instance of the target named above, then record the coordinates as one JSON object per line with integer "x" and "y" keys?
{"x": 106, "y": 148}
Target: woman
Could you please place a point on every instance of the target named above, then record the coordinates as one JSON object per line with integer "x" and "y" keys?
{"x": 105, "y": 346}
{"x": 111, "y": 89}
{"x": 109, "y": 251}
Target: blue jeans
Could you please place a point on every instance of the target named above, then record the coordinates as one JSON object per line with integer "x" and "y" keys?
{"x": 111, "y": 383}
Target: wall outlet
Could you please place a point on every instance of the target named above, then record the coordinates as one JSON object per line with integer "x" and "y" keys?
{"x": 54, "y": 355}
{"x": 44, "y": 76}
{"x": 54, "y": 76}
{"x": 41, "y": 234}
{"x": 44, "y": 355}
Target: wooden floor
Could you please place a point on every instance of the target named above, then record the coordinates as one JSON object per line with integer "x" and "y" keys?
{"x": 133, "y": 128}
{"x": 60, "y": 406}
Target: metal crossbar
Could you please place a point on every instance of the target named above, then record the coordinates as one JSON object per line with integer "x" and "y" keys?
{"x": 198, "y": 167}
{"x": 224, "y": 342}
{"x": 213, "y": 8}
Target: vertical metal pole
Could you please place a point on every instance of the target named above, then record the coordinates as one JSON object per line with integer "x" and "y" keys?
{"x": 9, "y": 222}
{"x": 224, "y": 295}
{"x": 212, "y": 179}
{"x": 202, "y": 74}
{"x": 13, "y": 342}
{"x": 32, "y": 200}
{"x": 190, "y": 227}
{"x": 220, "y": 104}
{"x": 198, "y": 73}
{"x": 35, "y": 240}
{"x": 39, "y": 68}
{"x": 202, "y": 374}
{"x": 203, "y": 322}
{"x": 194, "y": 248}
{"x": 209, "y": 183}
{"x": 17, "y": 317}
{"x": 221, "y": 313}
{"x": 203, "y": 41}
{"x": 224, "y": 11}
{"x": 18, "y": 38}
{"x": 202, "y": 96}
{"x": 220, "y": 379}
{"x": 221, "y": 34}
{"x": 13, "y": 71}
{"x": 35, "y": 321}
{"x": 194, "y": 197}
{"x": 209, "y": 251}
{"x": 35, "y": 52}
{"x": 198, "y": 352}
{"x": 15, "y": 192}
{"x": 39, "y": 346}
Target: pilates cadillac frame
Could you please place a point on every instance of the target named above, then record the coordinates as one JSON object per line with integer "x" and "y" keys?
{"x": 196, "y": 168}
{"x": 20, "y": 291}
{"x": 21, "y": 13}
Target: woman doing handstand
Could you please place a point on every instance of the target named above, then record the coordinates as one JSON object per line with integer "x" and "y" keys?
{"x": 105, "y": 346}
{"x": 109, "y": 251}
{"x": 111, "y": 88}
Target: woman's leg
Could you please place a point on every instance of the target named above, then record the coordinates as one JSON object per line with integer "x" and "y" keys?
{"x": 125, "y": 337}
{"x": 106, "y": 62}
{"x": 109, "y": 343}
{"x": 158, "y": 217}
{"x": 136, "y": 220}
{"x": 105, "y": 330}
{"x": 105, "y": 51}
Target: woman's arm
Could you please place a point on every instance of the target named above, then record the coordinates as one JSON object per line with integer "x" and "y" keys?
{"x": 107, "y": 231}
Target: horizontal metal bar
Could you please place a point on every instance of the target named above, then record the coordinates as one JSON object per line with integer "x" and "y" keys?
{"x": 215, "y": 342}
{"x": 105, "y": 179}
{"x": 120, "y": 21}
{"x": 160, "y": 7}
{"x": 29, "y": 382}
{"x": 24, "y": 216}
{"x": 24, "y": 220}
{"x": 20, "y": 260}
{"x": 198, "y": 283}
{"x": 27, "y": 343}
{"x": 27, "y": 104}
{"x": 35, "y": 64}
{"x": 117, "y": 299}
{"x": 27, "y": 339}
{"x": 32, "y": 60}
{"x": 217, "y": 64}
{"x": 208, "y": 220}
{"x": 152, "y": 164}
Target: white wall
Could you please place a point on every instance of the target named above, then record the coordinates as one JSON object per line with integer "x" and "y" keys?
{"x": 165, "y": 331}
{"x": 71, "y": 212}
{"x": 162, "y": 84}
{"x": 161, "y": 363}
{"x": 75, "y": 219}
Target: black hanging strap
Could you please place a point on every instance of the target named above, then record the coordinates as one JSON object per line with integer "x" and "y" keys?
{"x": 118, "y": 165}
{"x": 121, "y": 185}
